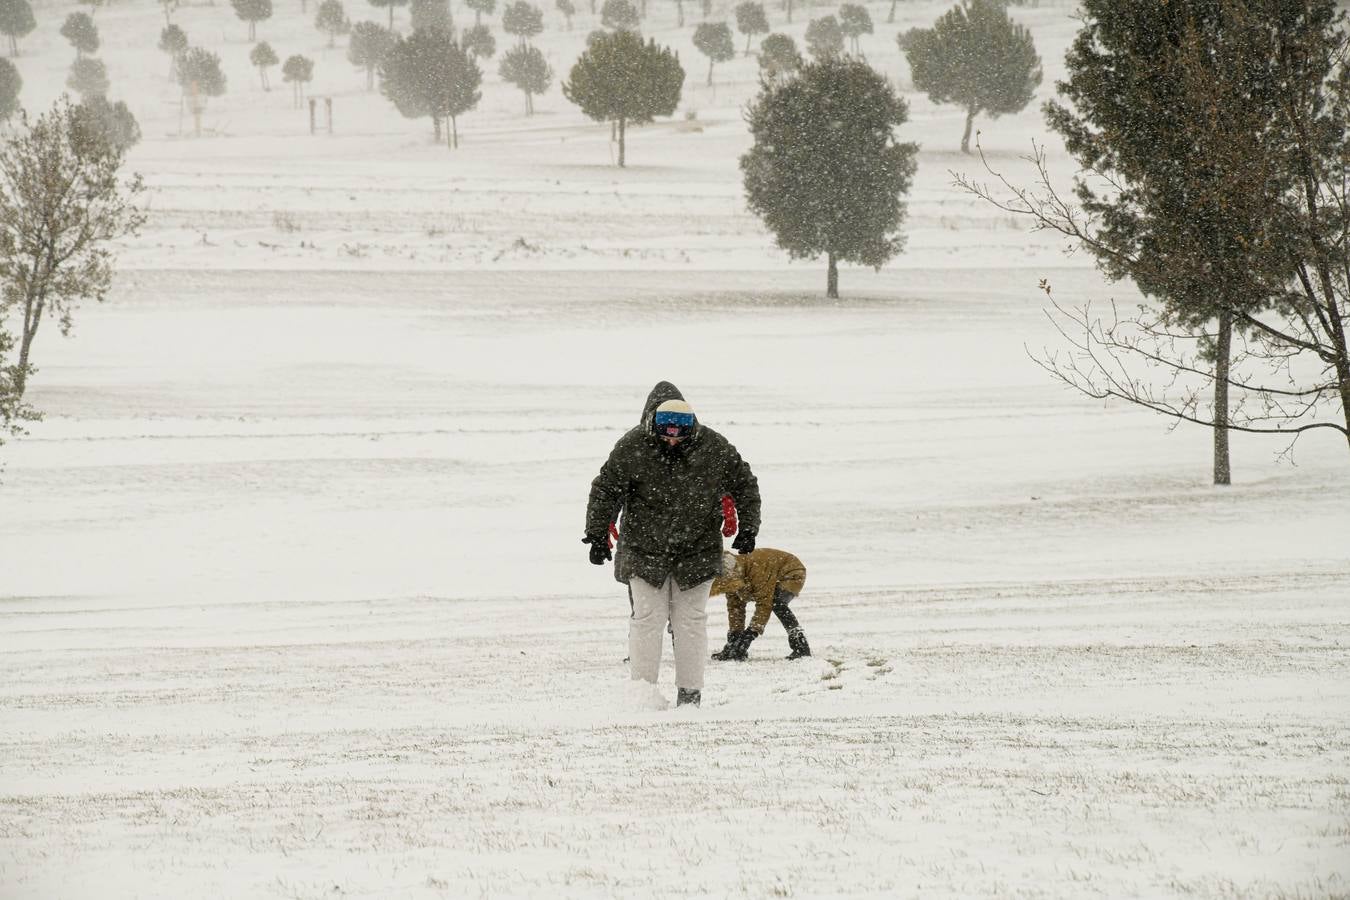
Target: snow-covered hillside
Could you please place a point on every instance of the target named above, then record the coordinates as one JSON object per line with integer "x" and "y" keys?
{"x": 292, "y": 596}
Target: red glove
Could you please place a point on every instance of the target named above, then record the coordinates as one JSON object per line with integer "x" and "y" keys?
{"x": 728, "y": 516}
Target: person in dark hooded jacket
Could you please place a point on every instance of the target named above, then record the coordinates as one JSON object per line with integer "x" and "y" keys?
{"x": 667, "y": 477}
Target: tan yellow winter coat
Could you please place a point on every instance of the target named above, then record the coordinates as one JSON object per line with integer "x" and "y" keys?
{"x": 755, "y": 578}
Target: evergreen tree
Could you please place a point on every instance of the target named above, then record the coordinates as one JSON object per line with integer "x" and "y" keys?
{"x": 568, "y": 10}
{"x": 112, "y": 123}
{"x": 1213, "y": 141}
{"x": 522, "y": 20}
{"x": 11, "y": 83}
{"x": 332, "y": 20}
{"x": 826, "y": 173}
{"x": 431, "y": 14}
{"x": 481, "y": 8}
{"x": 526, "y": 68}
{"x": 200, "y": 77}
{"x": 750, "y": 21}
{"x": 620, "y": 15}
{"x": 976, "y": 57}
{"x": 478, "y": 40}
{"x": 428, "y": 74}
{"x": 779, "y": 57}
{"x": 297, "y": 71}
{"x": 252, "y": 12}
{"x": 367, "y": 48}
{"x": 391, "y": 4}
{"x": 173, "y": 41}
{"x": 16, "y": 21}
{"x": 88, "y": 77}
{"x": 80, "y": 30}
{"x": 824, "y": 38}
{"x": 620, "y": 79}
{"x": 854, "y": 22}
{"x": 263, "y": 57}
{"x": 714, "y": 41}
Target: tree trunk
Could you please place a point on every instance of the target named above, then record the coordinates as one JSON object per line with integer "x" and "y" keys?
{"x": 710, "y": 68}
{"x": 370, "y": 76}
{"x": 391, "y": 17}
{"x": 832, "y": 279}
{"x": 789, "y": 11}
{"x": 32, "y": 317}
{"x": 1223, "y": 469}
{"x": 679, "y": 12}
{"x": 252, "y": 31}
{"x": 891, "y": 18}
{"x": 454, "y": 132}
{"x": 970, "y": 121}
{"x": 748, "y": 36}
{"x": 436, "y": 125}
{"x": 621, "y": 124}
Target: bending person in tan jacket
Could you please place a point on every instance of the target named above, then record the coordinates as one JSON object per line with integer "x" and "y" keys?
{"x": 771, "y": 579}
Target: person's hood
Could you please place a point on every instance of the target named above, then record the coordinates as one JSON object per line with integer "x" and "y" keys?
{"x": 663, "y": 391}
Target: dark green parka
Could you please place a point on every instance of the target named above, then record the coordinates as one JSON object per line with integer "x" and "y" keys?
{"x": 671, "y": 500}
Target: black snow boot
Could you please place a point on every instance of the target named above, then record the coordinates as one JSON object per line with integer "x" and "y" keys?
{"x": 741, "y": 652}
{"x": 688, "y": 695}
{"x": 797, "y": 641}
{"x": 729, "y": 651}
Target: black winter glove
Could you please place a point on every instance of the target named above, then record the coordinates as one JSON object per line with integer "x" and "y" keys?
{"x": 599, "y": 549}
{"x": 745, "y": 542}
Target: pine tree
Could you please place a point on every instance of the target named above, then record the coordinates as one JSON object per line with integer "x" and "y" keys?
{"x": 173, "y": 41}
{"x": 431, "y": 14}
{"x": 481, "y": 8}
{"x": 82, "y": 33}
{"x": 391, "y": 4}
{"x": 750, "y": 21}
{"x": 297, "y": 71}
{"x": 252, "y": 12}
{"x": 568, "y": 10}
{"x": 332, "y": 20}
{"x": 714, "y": 41}
{"x": 976, "y": 57}
{"x": 620, "y": 79}
{"x": 16, "y": 21}
{"x": 826, "y": 173}
{"x": 620, "y": 15}
{"x": 11, "y": 83}
{"x": 428, "y": 74}
{"x": 112, "y": 123}
{"x": 779, "y": 57}
{"x": 824, "y": 38}
{"x": 200, "y": 77}
{"x": 478, "y": 40}
{"x": 367, "y": 48}
{"x": 526, "y": 68}
{"x": 854, "y": 22}
{"x": 88, "y": 77}
{"x": 263, "y": 57}
{"x": 522, "y": 20}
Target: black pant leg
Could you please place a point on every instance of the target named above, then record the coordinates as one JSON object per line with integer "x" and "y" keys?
{"x": 781, "y": 599}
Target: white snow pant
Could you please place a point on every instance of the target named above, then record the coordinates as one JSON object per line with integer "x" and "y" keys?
{"x": 687, "y": 611}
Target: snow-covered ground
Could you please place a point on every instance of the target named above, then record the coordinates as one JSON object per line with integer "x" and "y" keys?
{"x": 294, "y": 602}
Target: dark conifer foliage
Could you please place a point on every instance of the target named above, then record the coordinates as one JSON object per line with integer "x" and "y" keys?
{"x": 173, "y": 41}
{"x": 779, "y": 57}
{"x": 11, "y": 83}
{"x": 429, "y": 74}
{"x": 88, "y": 77}
{"x": 481, "y": 8}
{"x": 750, "y": 21}
{"x": 478, "y": 40}
{"x": 826, "y": 173}
{"x": 522, "y": 20}
{"x": 252, "y": 12}
{"x": 332, "y": 20}
{"x": 431, "y": 14}
{"x": 80, "y": 30}
{"x": 263, "y": 57}
{"x": 824, "y": 38}
{"x": 620, "y": 79}
{"x": 297, "y": 71}
{"x": 976, "y": 57}
{"x": 620, "y": 15}
{"x": 854, "y": 22}
{"x": 16, "y": 21}
{"x": 367, "y": 48}
{"x": 390, "y": 4}
{"x": 526, "y": 68}
{"x": 713, "y": 39}
{"x": 95, "y": 119}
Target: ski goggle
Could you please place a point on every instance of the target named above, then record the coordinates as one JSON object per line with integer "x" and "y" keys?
{"x": 673, "y": 424}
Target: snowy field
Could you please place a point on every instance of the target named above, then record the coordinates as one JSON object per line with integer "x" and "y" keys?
{"x": 294, "y": 602}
